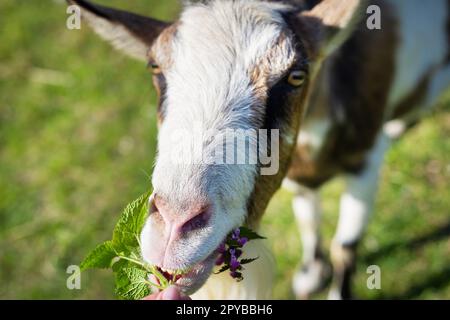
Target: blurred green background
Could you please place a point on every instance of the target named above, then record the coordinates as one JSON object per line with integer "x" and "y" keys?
{"x": 77, "y": 143}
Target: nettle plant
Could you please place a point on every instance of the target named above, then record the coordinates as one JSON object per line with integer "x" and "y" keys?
{"x": 134, "y": 278}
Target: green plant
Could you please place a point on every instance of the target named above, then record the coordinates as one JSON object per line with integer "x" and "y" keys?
{"x": 132, "y": 274}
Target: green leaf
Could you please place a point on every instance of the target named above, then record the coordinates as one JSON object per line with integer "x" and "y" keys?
{"x": 223, "y": 269}
{"x": 121, "y": 264}
{"x": 233, "y": 243}
{"x": 129, "y": 226}
{"x": 122, "y": 254}
{"x": 249, "y": 234}
{"x": 100, "y": 257}
{"x": 245, "y": 261}
{"x": 121, "y": 279}
{"x": 132, "y": 284}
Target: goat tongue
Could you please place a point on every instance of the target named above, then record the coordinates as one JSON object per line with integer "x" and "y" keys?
{"x": 170, "y": 277}
{"x": 167, "y": 275}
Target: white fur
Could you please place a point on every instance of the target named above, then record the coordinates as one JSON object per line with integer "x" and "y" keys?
{"x": 357, "y": 201}
{"x": 312, "y": 273}
{"x": 313, "y": 134}
{"x": 214, "y": 51}
{"x": 394, "y": 128}
{"x": 291, "y": 185}
{"x": 437, "y": 87}
{"x": 209, "y": 81}
{"x": 356, "y": 207}
{"x": 334, "y": 294}
{"x": 423, "y": 43}
{"x": 439, "y": 84}
{"x": 310, "y": 280}
{"x": 307, "y": 211}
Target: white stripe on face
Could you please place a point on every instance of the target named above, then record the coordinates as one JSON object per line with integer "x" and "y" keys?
{"x": 213, "y": 54}
{"x": 215, "y": 49}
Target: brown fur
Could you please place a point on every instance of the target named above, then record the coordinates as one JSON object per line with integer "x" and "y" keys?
{"x": 161, "y": 55}
{"x": 358, "y": 82}
{"x": 265, "y": 186}
{"x": 161, "y": 50}
{"x": 284, "y": 109}
{"x": 344, "y": 263}
{"x": 336, "y": 14}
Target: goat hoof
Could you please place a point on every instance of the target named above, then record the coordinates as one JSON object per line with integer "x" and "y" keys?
{"x": 334, "y": 294}
{"x": 311, "y": 278}
{"x": 337, "y": 293}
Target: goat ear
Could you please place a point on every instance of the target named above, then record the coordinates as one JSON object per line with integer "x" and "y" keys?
{"x": 126, "y": 31}
{"x": 329, "y": 23}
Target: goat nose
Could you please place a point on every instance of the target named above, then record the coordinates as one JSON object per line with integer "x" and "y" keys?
{"x": 179, "y": 222}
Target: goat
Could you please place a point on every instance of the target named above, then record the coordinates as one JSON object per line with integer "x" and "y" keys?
{"x": 337, "y": 92}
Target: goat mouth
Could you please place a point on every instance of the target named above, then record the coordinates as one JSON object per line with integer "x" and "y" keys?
{"x": 191, "y": 279}
{"x": 188, "y": 281}
{"x": 172, "y": 276}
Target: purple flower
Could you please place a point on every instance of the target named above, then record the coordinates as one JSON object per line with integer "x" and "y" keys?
{"x": 221, "y": 248}
{"x": 230, "y": 251}
{"x": 220, "y": 260}
{"x": 242, "y": 241}
{"x": 235, "y": 234}
{"x": 234, "y": 263}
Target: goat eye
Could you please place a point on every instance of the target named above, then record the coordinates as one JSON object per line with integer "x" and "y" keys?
{"x": 154, "y": 68}
{"x": 296, "y": 78}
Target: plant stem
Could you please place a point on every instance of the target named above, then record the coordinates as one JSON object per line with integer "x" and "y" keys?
{"x": 154, "y": 285}
{"x": 134, "y": 261}
{"x": 162, "y": 279}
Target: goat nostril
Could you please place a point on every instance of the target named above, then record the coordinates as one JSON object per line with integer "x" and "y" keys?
{"x": 162, "y": 214}
{"x": 154, "y": 211}
{"x": 152, "y": 204}
{"x": 197, "y": 222}
{"x": 153, "y": 208}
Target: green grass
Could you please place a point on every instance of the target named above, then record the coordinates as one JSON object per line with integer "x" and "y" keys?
{"x": 77, "y": 143}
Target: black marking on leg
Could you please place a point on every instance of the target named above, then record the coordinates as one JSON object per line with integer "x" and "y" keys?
{"x": 344, "y": 266}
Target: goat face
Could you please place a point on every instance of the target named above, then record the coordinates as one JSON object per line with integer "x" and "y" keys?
{"x": 225, "y": 65}
{"x": 214, "y": 71}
